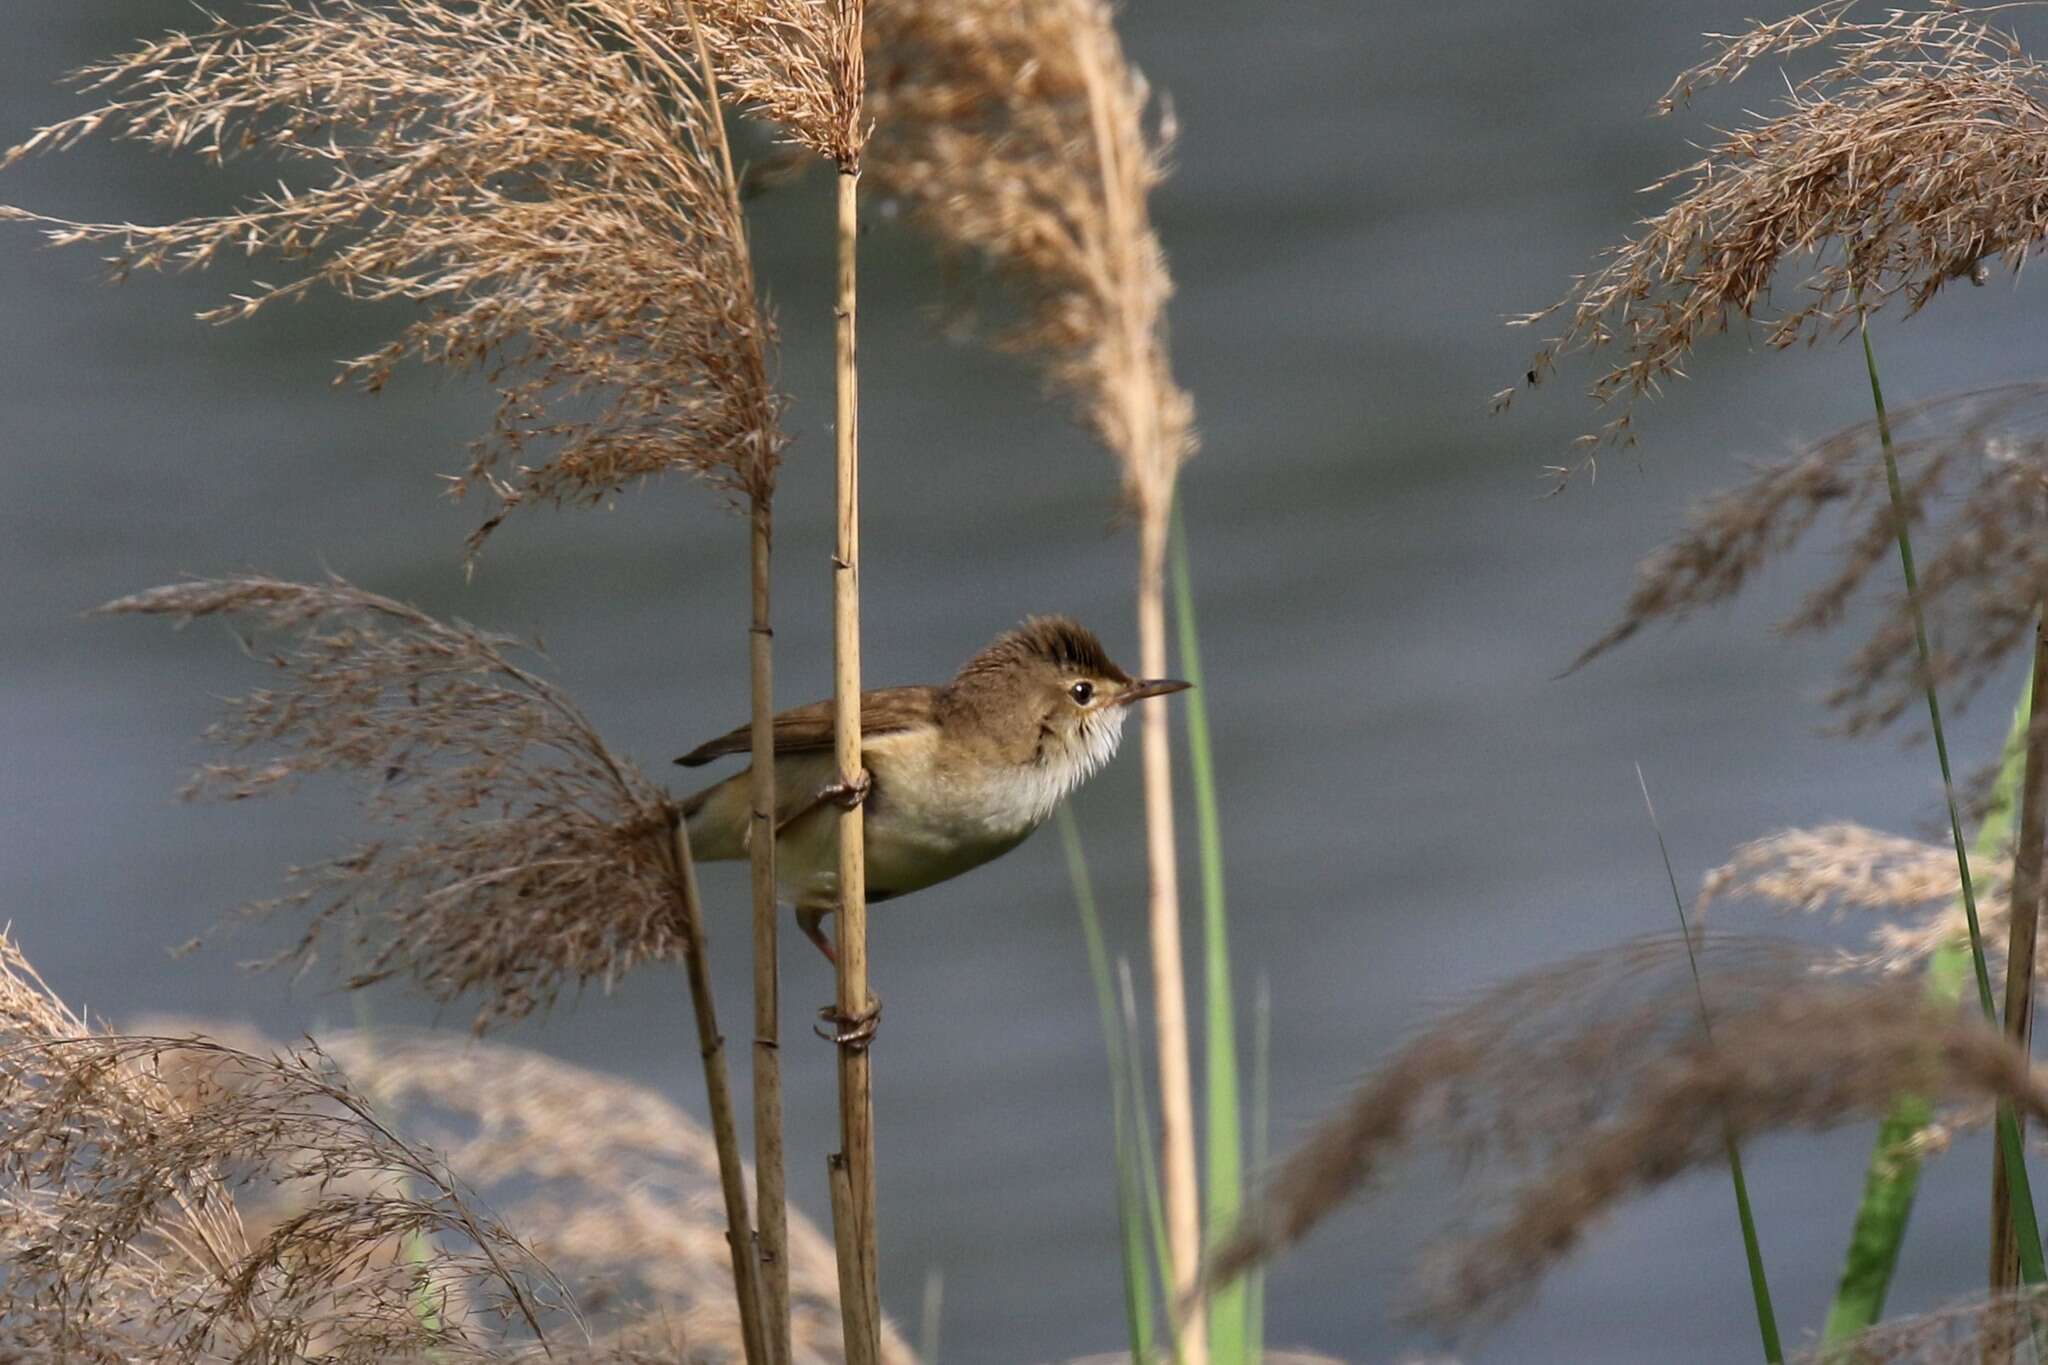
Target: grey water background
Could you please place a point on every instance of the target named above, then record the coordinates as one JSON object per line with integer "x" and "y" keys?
{"x": 1414, "y": 804}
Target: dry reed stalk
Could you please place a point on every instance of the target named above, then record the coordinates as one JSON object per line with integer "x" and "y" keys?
{"x": 125, "y": 1162}
{"x": 771, "y": 1190}
{"x": 1918, "y": 153}
{"x": 1019, "y": 133}
{"x": 2024, "y": 919}
{"x": 533, "y": 856}
{"x": 802, "y": 65}
{"x": 1577, "y": 1087}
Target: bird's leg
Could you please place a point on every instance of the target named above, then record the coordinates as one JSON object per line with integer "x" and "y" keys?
{"x": 811, "y": 919}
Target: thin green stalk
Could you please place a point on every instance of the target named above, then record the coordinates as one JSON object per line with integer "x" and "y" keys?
{"x": 1262, "y": 1110}
{"x": 1138, "y": 1301}
{"x": 1752, "y": 1249}
{"x": 1893, "y": 1176}
{"x": 1223, "y": 1141}
{"x": 1148, "y": 1165}
{"x": 2026, "y": 1228}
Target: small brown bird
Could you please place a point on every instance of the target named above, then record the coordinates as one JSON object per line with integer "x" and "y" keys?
{"x": 958, "y": 773}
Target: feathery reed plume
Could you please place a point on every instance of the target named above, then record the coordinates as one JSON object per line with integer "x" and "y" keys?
{"x": 1965, "y": 1333}
{"x": 1918, "y": 153}
{"x": 543, "y": 176}
{"x": 1975, "y": 470}
{"x": 1591, "y": 1082}
{"x": 120, "y": 1232}
{"x": 1018, "y": 133}
{"x": 531, "y": 856}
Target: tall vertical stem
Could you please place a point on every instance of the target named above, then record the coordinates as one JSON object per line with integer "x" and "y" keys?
{"x": 1169, "y": 981}
{"x": 732, "y": 1179}
{"x": 2019, "y": 962}
{"x": 770, "y": 1193}
{"x": 769, "y": 1185}
{"x": 855, "y": 1231}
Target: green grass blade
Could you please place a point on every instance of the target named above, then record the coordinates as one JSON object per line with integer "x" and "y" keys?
{"x": 1223, "y": 1140}
{"x": 1262, "y": 1110}
{"x": 1148, "y": 1164}
{"x": 1893, "y": 1177}
{"x": 1138, "y": 1303}
{"x": 2025, "y": 1227}
{"x": 1752, "y": 1249}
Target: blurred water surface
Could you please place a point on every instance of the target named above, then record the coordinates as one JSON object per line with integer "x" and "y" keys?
{"x": 1414, "y": 804}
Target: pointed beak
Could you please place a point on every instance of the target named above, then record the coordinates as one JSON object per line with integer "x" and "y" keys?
{"x": 1151, "y": 687}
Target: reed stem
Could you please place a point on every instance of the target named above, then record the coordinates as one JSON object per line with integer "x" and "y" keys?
{"x": 855, "y": 1165}
{"x": 771, "y": 1196}
{"x": 1169, "y": 980}
{"x": 718, "y": 1091}
{"x": 770, "y": 1184}
{"x": 2020, "y": 941}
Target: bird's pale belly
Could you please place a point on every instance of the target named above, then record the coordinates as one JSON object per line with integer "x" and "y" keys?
{"x": 918, "y": 832}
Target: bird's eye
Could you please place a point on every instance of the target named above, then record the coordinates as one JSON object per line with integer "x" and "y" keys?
{"x": 1082, "y": 693}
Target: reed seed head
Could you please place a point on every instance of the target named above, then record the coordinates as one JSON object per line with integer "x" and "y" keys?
{"x": 1018, "y": 134}
{"x": 525, "y": 855}
{"x": 544, "y": 178}
{"x": 1916, "y": 156}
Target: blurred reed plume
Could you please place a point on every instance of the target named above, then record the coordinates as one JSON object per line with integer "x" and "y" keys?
{"x": 619, "y": 1187}
{"x": 1965, "y": 1333}
{"x": 528, "y": 856}
{"x": 1019, "y": 134}
{"x": 1916, "y": 154}
{"x": 1974, "y": 469}
{"x": 126, "y": 1159}
{"x": 193, "y": 1192}
{"x": 546, "y": 177}
{"x": 1571, "y": 1089}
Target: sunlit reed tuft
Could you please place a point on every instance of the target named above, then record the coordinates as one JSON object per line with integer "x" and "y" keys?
{"x": 1915, "y": 155}
{"x": 1570, "y": 1090}
{"x": 525, "y": 857}
{"x": 544, "y": 177}
{"x": 1910, "y": 888}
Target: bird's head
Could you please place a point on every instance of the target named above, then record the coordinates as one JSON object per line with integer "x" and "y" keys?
{"x": 1051, "y": 692}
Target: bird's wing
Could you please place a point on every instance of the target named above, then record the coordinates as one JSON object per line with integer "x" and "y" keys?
{"x": 890, "y": 710}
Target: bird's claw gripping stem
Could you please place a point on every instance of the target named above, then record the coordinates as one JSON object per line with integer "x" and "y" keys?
{"x": 856, "y": 1031}
{"x": 847, "y": 795}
